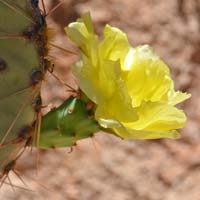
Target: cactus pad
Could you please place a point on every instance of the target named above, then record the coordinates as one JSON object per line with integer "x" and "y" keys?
{"x": 22, "y": 52}
{"x": 23, "y": 64}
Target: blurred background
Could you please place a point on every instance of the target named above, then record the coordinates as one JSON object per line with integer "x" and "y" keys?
{"x": 105, "y": 167}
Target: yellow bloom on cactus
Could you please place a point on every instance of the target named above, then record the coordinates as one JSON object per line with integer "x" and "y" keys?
{"x": 131, "y": 87}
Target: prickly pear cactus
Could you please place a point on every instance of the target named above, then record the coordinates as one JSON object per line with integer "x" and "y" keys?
{"x": 67, "y": 124}
{"x": 107, "y": 100}
{"x": 21, "y": 71}
{"x": 23, "y": 64}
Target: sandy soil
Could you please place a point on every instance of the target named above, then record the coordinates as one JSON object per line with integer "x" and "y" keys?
{"x": 105, "y": 167}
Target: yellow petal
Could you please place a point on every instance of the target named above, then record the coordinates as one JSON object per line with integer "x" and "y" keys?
{"x": 117, "y": 108}
{"x": 177, "y": 97}
{"x": 158, "y": 117}
{"x": 82, "y": 34}
{"x": 98, "y": 83}
{"x": 132, "y": 87}
{"x": 173, "y": 98}
{"x": 148, "y": 78}
{"x": 142, "y": 134}
{"x": 115, "y": 44}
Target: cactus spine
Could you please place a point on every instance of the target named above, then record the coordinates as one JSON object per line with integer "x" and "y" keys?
{"x": 23, "y": 64}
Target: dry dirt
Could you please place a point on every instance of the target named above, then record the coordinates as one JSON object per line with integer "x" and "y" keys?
{"x": 105, "y": 167}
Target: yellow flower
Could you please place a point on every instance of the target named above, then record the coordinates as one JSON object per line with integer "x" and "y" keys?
{"x": 131, "y": 87}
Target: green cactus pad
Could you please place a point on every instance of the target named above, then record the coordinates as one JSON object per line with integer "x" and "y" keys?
{"x": 67, "y": 124}
{"x": 23, "y": 64}
{"x": 19, "y": 59}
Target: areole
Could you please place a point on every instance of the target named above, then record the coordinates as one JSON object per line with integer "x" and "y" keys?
{"x": 3, "y": 65}
{"x": 24, "y": 51}
{"x": 31, "y": 40}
